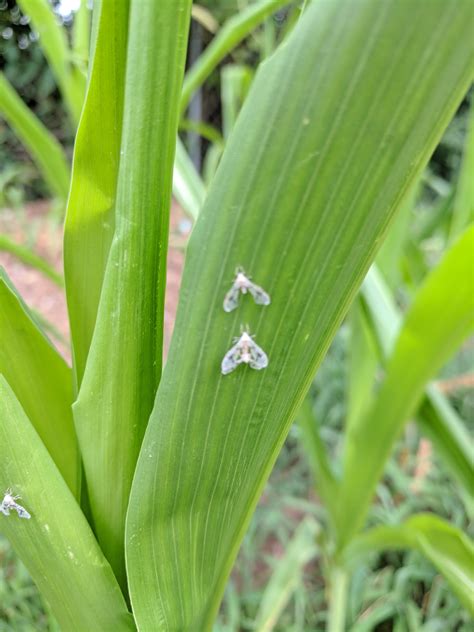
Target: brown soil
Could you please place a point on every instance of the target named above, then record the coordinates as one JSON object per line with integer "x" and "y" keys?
{"x": 36, "y": 227}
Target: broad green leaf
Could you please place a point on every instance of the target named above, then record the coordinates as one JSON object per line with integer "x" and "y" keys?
{"x": 124, "y": 363}
{"x": 436, "y": 417}
{"x": 446, "y": 546}
{"x": 90, "y": 221}
{"x": 236, "y": 29}
{"x": 425, "y": 342}
{"x": 463, "y": 206}
{"x": 188, "y": 187}
{"x": 53, "y": 41}
{"x": 287, "y": 574}
{"x": 40, "y": 143}
{"x": 337, "y": 126}
{"x": 41, "y": 381}
{"x": 56, "y": 544}
{"x": 26, "y": 255}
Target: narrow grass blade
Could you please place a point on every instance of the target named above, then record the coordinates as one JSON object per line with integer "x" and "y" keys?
{"x": 446, "y": 546}
{"x": 287, "y": 573}
{"x": 436, "y": 417}
{"x": 124, "y": 363}
{"x": 326, "y": 482}
{"x": 301, "y": 199}
{"x": 363, "y": 362}
{"x": 81, "y": 33}
{"x": 235, "y": 84}
{"x": 424, "y": 344}
{"x": 53, "y": 41}
{"x": 40, "y": 143}
{"x": 188, "y": 187}
{"x": 90, "y": 221}
{"x": 56, "y": 544}
{"x": 26, "y": 255}
{"x": 232, "y": 33}
{"x": 41, "y": 380}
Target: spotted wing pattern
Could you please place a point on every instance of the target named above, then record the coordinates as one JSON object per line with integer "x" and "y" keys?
{"x": 259, "y": 294}
{"x": 21, "y": 511}
{"x": 232, "y": 359}
{"x": 231, "y": 299}
{"x": 258, "y": 357}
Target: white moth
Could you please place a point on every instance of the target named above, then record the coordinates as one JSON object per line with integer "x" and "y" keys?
{"x": 246, "y": 351}
{"x": 9, "y": 502}
{"x": 243, "y": 284}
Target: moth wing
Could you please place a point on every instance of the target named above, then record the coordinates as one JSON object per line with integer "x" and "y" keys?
{"x": 259, "y": 359}
{"x": 259, "y": 294}
{"x": 21, "y": 511}
{"x": 231, "y": 299}
{"x": 232, "y": 359}
{"x": 4, "y": 509}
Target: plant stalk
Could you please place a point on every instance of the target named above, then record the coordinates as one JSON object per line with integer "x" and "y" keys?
{"x": 339, "y": 586}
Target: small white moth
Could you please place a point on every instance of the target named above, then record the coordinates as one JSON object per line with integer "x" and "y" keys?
{"x": 242, "y": 283}
{"x": 9, "y": 502}
{"x": 246, "y": 351}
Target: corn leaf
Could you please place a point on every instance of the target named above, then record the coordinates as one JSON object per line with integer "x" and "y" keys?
{"x": 56, "y": 544}
{"x": 41, "y": 381}
{"x": 436, "y": 417}
{"x": 237, "y": 28}
{"x": 53, "y": 40}
{"x": 40, "y": 143}
{"x": 424, "y": 344}
{"x": 90, "y": 220}
{"x": 124, "y": 363}
{"x": 302, "y": 197}
{"x": 463, "y": 207}
{"x": 446, "y": 546}
{"x": 188, "y": 187}
{"x": 287, "y": 574}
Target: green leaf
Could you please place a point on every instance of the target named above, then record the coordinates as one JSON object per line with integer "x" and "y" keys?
{"x": 41, "y": 381}
{"x": 53, "y": 41}
{"x": 436, "y": 417}
{"x": 236, "y": 29}
{"x": 316, "y": 452}
{"x": 26, "y": 255}
{"x": 424, "y": 344}
{"x": 124, "y": 363}
{"x": 235, "y": 84}
{"x": 188, "y": 187}
{"x": 90, "y": 220}
{"x": 40, "y": 143}
{"x": 287, "y": 574}
{"x": 56, "y": 544}
{"x": 446, "y": 546}
{"x": 301, "y": 199}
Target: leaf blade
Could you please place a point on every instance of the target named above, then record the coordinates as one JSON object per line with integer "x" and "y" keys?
{"x": 211, "y": 440}
{"x": 56, "y": 544}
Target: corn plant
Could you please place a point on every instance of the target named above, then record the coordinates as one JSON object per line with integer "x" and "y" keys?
{"x": 140, "y": 481}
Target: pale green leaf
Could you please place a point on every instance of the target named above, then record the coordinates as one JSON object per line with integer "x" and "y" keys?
{"x": 53, "y": 41}
{"x": 41, "y": 381}
{"x": 90, "y": 213}
{"x": 302, "y": 196}
{"x": 463, "y": 205}
{"x": 287, "y": 574}
{"x": 425, "y": 342}
{"x": 124, "y": 363}
{"x": 188, "y": 187}
{"x": 56, "y": 544}
{"x": 40, "y": 143}
{"x": 446, "y": 546}
{"x": 436, "y": 417}
{"x": 231, "y": 33}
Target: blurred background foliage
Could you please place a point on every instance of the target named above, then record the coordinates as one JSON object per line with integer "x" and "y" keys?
{"x": 397, "y": 591}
